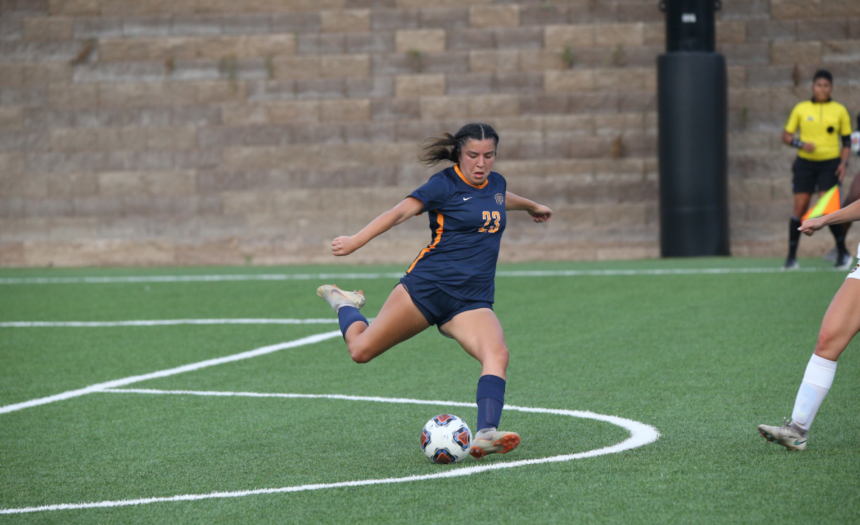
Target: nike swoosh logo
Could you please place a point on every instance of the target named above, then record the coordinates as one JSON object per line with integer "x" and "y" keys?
{"x": 796, "y": 442}
{"x": 465, "y": 199}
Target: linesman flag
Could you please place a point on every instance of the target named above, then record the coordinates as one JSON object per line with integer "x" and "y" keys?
{"x": 828, "y": 203}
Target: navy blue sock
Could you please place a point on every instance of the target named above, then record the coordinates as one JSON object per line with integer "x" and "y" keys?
{"x": 348, "y": 315}
{"x": 491, "y": 399}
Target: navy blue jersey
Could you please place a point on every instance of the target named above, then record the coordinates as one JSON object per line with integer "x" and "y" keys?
{"x": 466, "y": 224}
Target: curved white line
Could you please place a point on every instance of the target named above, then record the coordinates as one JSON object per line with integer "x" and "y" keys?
{"x": 640, "y": 435}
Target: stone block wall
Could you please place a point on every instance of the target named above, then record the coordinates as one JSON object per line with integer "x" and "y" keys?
{"x": 255, "y": 131}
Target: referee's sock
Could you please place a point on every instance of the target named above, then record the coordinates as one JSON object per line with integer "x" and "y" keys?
{"x": 346, "y": 315}
{"x": 491, "y": 399}
{"x": 794, "y": 237}
{"x": 838, "y": 231}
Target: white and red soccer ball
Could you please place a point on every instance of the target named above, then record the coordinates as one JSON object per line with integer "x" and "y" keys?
{"x": 446, "y": 439}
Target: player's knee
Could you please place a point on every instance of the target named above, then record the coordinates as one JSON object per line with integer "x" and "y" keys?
{"x": 359, "y": 352}
{"x": 360, "y": 356}
{"x": 501, "y": 356}
{"x": 826, "y": 339}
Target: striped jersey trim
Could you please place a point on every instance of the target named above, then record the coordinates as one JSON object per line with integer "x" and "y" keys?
{"x": 440, "y": 219}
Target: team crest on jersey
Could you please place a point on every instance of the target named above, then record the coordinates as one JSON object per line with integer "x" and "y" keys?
{"x": 810, "y": 118}
{"x": 855, "y": 267}
{"x": 500, "y": 199}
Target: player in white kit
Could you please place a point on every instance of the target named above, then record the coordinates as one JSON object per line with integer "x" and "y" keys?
{"x": 841, "y": 323}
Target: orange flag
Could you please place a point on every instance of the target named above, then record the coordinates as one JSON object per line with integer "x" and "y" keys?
{"x": 828, "y": 203}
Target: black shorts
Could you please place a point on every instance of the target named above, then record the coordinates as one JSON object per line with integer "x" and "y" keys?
{"x": 809, "y": 174}
{"x": 437, "y": 306}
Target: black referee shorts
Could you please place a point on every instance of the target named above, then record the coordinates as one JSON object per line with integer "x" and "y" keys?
{"x": 809, "y": 174}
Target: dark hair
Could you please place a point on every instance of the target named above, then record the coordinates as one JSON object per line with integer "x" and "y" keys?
{"x": 449, "y": 147}
{"x": 823, "y": 73}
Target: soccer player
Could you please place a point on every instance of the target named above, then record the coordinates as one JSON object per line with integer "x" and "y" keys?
{"x": 841, "y": 323}
{"x": 825, "y": 130}
{"x": 450, "y": 283}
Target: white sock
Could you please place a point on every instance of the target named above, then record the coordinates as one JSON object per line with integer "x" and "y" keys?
{"x": 816, "y": 383}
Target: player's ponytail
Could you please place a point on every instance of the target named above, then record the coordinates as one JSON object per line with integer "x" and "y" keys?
{"x": 436, "y": 149}
{"x": 448, "y": 147}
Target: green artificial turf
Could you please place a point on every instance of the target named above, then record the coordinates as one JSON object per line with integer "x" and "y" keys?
{"x": 703, "y": 358}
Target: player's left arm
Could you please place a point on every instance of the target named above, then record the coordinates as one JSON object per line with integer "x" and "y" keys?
{"x": 539, "y": 212}
{"x": 345, "y": 245}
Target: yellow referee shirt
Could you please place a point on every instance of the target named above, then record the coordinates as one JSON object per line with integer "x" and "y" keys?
{"x": 822, "y": 123}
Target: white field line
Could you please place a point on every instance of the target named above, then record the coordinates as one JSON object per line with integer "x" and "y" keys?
{"x": 392, "y": 275}
{"x": 169, "y": 372}
{"x": 198, "y": 278}
{"x": 160, "y": 322}
{"x": 640, "y": 435}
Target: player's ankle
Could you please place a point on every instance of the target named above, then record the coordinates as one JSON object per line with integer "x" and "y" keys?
{"x": 485, "y": 433}
{"x": 800, "y": 430}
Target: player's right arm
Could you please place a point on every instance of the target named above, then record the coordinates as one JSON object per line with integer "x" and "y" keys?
{"x": 407, "y": 208}
{"x": 793, "y": 125}
{"x": 849, "y": 213}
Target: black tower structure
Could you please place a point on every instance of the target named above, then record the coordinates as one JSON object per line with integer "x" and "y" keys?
{"x": 692, "y": 106}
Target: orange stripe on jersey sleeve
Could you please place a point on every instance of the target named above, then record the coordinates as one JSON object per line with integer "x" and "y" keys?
{"x": 440, "y": 219}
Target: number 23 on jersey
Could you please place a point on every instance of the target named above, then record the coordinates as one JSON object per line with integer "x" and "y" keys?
{"x": 496, "y": 217}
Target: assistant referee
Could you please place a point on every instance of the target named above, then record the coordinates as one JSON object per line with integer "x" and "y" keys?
{"x": 824, "y": 145}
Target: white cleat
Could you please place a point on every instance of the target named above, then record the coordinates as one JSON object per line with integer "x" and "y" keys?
{"x": 338, "y": 298}
{"x": 493, "y": 442}
{"x": 788, "y": 435}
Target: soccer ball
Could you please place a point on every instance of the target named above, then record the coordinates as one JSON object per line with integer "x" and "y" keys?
{"x": 446, "y": 439}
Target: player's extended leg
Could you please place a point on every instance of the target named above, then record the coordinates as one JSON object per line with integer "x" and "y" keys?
{"x": 801, "y": 203}
{"x": 841, "y": 323}
{"x": 398, "y": 320}
{"x": 481, "y": 336}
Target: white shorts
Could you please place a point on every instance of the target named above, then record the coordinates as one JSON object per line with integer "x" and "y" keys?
{"x": 855, "y": 272}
